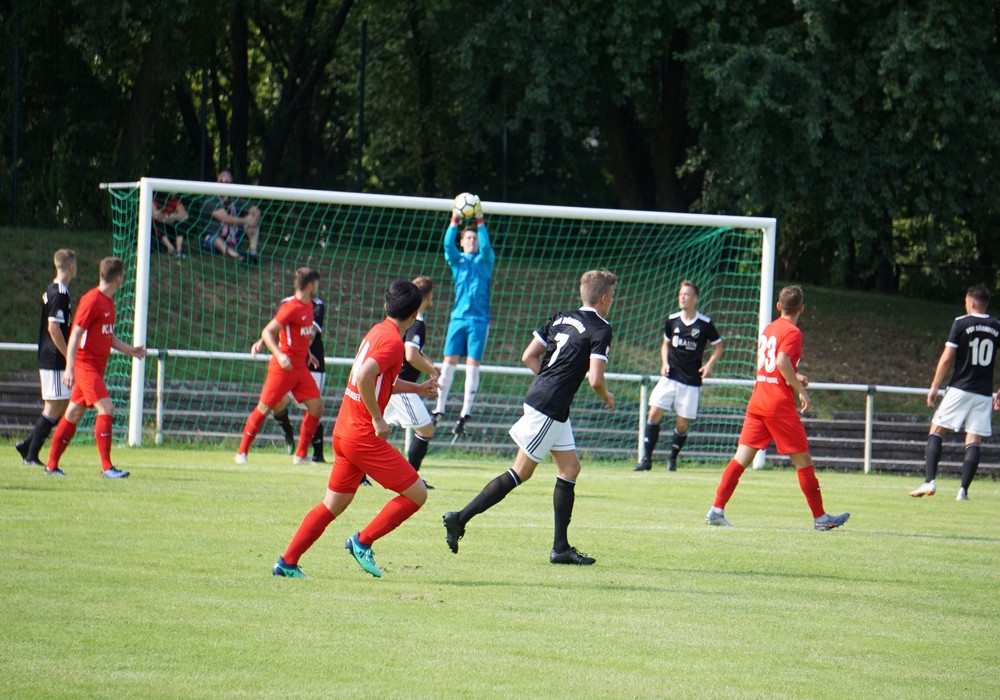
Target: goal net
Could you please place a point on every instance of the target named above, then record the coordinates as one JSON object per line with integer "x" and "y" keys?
{"x": 203, "y": 311}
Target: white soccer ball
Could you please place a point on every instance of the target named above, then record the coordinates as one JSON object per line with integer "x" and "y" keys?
{"x": 465, "y": 205}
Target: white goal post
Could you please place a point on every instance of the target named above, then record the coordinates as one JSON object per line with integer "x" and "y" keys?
{"x": 147, "y": 186}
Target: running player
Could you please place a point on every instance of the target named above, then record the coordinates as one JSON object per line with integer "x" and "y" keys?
{"x": 772, "y": 414}
{"x": 561, "y": 354}
{"x": 359, "y": 444}
{"x": 685, "y": 336}
{"x": 408, "y": 410}
{"x": 87, "y": 351}
{"x": 317, "y": 367}
{"x": 288, "y": 336}
{"x": 472, "y": 270}
{"x": 971, "y": 346}
{"x": 53, "y": 332}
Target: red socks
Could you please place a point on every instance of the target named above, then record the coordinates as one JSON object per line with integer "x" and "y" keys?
{"x": 730, "y": 478}
{"x": 64, "y": 432}
{"x": 306, "y": 432}
{"x": 102, "y": 433}
{"x": 309, "y": 531}
{"x": 250, "y": 430}
{"x": 388, "y": 519}
{"x": 810, "y": 487}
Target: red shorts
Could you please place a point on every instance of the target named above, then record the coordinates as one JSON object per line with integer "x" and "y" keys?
{"x": 786, "y": 430}
{"x": 298, "y": 380}
{"x": 88, "y": 387}
{"x": 352, "y": 459}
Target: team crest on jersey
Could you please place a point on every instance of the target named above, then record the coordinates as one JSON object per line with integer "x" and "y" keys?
{"x": 695, "y": 332}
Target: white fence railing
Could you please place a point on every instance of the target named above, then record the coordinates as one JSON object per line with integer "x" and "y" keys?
{"x": 869, "y": 390}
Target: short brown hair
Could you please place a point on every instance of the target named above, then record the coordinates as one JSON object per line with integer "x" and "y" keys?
{"x": 596, "y": 283}
{"x": 791, "y": 299}
{"x": 63, "y": 258}
{"x": 304, "y": 276}
{"x": 692, "y": 285}
{"x": 424, "y": 284}
{"x": 980, "y": 294}
{"x": 111, "y": 268}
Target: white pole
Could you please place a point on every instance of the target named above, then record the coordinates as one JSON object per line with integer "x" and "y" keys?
{"x": 766, "y": 296}
{"x": 143, "y": 238}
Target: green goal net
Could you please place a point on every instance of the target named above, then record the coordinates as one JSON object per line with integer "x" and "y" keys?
{"x": 203, "y": 311}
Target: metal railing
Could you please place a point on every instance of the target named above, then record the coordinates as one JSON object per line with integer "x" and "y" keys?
{"x": 644, "y": 380}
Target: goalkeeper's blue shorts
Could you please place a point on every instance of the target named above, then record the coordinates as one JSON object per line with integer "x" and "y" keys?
{"x": 467, "y": 338}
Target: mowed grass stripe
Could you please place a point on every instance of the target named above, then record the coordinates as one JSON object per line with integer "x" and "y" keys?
{"x": 160, "y": 586}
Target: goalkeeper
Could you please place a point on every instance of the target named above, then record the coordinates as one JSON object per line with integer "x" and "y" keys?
{"x": 471, "y": 259}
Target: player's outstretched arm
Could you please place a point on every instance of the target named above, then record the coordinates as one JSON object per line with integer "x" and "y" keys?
{"x": 709, "y": 367}
{"x": 270, "y": 337}
{"x": 787, "y": 370}
{"x": 72, "y": 346}
{"x": 136, "y": 351}
{"x": 365, "y": 379}
{"x": 427, "y": 388}
{"x": 532, "y": 355}
{"x": 598, "y": 382}
{"x": 943, "y": 365}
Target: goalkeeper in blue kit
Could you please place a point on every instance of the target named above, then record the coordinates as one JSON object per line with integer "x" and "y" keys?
{"x": 471, "y": 258}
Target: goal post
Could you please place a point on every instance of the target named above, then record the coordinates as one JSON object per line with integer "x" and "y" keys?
{"x": 208, "y": 303}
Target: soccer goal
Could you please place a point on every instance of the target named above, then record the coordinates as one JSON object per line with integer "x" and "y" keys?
{"x": 202, "y": 312}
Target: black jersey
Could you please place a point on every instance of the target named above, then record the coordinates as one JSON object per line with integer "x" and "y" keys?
{"x": 975, "y": 339}
{"x": 415, "y": 336}
{"x": 571, "y": 339}
{"x": 316, "y": 346}
{"x": 686, "y": 345}
{"x": 56, "y": 306}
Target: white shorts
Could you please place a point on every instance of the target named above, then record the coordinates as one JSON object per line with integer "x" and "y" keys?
{"x": 682, "y": 398}
{"x": 319, "y": 378}
{"x": 53, "y": 388}
{"x": 407, "y": 411}
{"x": 959, "y": 408}
{"x": 537, "y": 434}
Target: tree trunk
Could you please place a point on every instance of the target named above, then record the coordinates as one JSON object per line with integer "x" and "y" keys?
{"x": 146, "y": 92}
{"x": 299, "y": 84}
{"x": 671, "y": 130}
{"x": 239, "y": 125}
{"x": 629, "y": 172}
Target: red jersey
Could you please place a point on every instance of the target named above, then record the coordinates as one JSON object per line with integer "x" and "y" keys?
{"x": 295, "y": 336}
{"x": 383, "y": 344}
{"x": 772, "y": 395}
{"x": 96, "y": 316}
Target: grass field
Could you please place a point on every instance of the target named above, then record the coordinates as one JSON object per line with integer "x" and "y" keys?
{"x": 160, "y": 586}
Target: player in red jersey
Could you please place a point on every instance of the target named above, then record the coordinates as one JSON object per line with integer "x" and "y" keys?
{"x": 288, "y": 336}
{"x": 772, "y": 414}
{"x": 87, "y": 351}
{"x": 359, "y": 443}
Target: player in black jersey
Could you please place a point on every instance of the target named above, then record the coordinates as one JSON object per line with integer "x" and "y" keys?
{"x": 561, "y": 354}
{"x": 972, "y": 346}
{"x": 408, "y": 410}
{"x": 685, "y": 336}
{"x": 53, "y": 332}
{"x": 318, "y": 371}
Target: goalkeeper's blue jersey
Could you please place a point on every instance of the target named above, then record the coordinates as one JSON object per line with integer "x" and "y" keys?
{"x": 472, "y": 275}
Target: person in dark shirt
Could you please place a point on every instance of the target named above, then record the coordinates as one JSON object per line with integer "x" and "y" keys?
{"x": 53, "y": 332}
{"x": 685, "y": 336}
{"x": 409, "y": 410}
{"x": 561, "y": 353}
{"x": 969, "y": 402}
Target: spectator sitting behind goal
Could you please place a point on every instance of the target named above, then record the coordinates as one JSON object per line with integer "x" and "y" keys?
{"x": 231, "y": 219}
{"x": 169, "y": 216}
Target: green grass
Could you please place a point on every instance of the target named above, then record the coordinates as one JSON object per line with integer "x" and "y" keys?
{"x": 159, "y": 586}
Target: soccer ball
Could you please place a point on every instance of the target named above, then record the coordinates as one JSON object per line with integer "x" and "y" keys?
{"x": 465, "y": 205}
